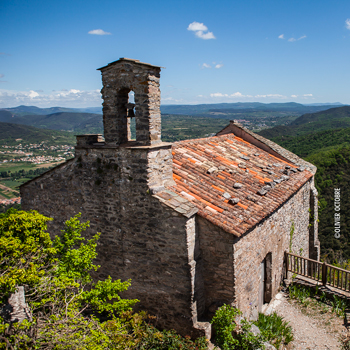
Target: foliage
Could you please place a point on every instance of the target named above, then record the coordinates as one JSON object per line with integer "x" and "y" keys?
{"x": 64, "y": 301}
{"x": 23, "y": 173}
{"x": 274, "y": 329}
{"x": 303, "y": 294}
{"x": 5, "y": 207}
{"x": 58, "y": 286}
{"x": 13, "y": 130}
{"x": 291, "y": 233}
{"x": 339, "y": 305}
{"x": 333, "y": 118}
{"x": 230, "y": 335}
{"x": 137, "y": 333}
{"x": 333, "y": 171}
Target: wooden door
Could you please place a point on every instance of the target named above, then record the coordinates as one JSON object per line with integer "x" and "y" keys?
{"x": 261, "y": 284}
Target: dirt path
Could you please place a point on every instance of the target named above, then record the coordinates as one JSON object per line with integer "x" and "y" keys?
{"x": 312, "y": 329}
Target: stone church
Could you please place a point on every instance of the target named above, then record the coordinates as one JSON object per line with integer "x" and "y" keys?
{"x": 194, "y": 224}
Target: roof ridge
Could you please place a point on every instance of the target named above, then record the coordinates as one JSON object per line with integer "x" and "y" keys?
{"x": 265, "y": 144}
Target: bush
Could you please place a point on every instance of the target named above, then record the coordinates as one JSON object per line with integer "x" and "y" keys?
{"x": 138, "y": 334}
{"x": 230, "y": 335}
{"x": 274, "y": 329}
{"x": 58, "y": 285}
{"x": 64, "y": 301}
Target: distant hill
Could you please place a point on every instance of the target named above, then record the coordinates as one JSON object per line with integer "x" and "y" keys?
{"x": 10, "y": 132}
{"x": 307, "y": 144}
{"x": 25, "y": 110}
{"x": 67, "y": 121}
{"x": 333, "y": 118}
{"x": 243, "y": 107}
{"x": 333, "y": 171}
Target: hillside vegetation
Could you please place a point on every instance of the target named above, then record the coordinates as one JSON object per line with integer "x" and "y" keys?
{"x": 333, "y": 171}
{"x": 240, "y": 107}
{"x": 333, "y": 118}
{"x": 323, "y": 139}
{"x": 67, "y": 121}
{"x": 308, "y": 144}
{"x": 10, "y": 132}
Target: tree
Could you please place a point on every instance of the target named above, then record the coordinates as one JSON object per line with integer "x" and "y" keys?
{"x": 63, "y": 299}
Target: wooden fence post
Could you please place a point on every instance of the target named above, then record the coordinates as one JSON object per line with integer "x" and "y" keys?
{"x": 287, "y": 263}
{"x": 324, "y": 273}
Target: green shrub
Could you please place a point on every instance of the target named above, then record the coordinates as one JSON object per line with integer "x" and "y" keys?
{"x": 62, "y": 297}
{"x": 229, "y": 335}
{"x": 138, "y": 334}
{"x": 274, "y": 329}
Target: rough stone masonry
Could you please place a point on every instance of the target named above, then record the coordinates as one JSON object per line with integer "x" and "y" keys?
{"x": 182, "y": 261}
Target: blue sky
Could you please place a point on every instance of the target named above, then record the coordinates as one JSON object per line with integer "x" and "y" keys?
{"x": 213, "y": 51}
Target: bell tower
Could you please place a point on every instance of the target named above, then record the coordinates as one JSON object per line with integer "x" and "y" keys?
{"x": 119, "y": 78}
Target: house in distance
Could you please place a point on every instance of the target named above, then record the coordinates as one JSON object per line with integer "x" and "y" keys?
{"x": 194, "y": 224}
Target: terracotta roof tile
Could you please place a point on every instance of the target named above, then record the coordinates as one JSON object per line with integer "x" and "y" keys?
{"x": 204, "y": 190}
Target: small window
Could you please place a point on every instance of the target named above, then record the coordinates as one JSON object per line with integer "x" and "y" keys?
{"x": 131, "y": 116}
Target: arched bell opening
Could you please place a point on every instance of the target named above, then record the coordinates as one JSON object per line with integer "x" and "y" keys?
{"x": 126, "y": 114}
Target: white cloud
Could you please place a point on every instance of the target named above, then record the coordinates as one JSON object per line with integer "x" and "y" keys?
{"x": 205, "y": 36}
{"x": 294, "y": 96}
{"x": 201, "y": 31}
{"x": 32, "y": 94}
{"x": 98, "y": 32}
{"x": 70, "y": 98}
{"x": 234, "y": 95}
{"x": 218, "y": 94}
{"x": 218, "y": 66}
{"x": 278, "y": 96}
{"x": 205, "y": 65}
{"x": 307, "y": 95}
{"x": 293, "y": 39}
{"x": 237, "y": 94}
{"x": 171, "y": 100}
{"x": 281, "y": 36}
{"x": 194, "y": 26}
{"x": 347, "y": 24}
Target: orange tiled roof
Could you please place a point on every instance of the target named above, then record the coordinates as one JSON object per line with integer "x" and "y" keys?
{"x": 233, "y": 183}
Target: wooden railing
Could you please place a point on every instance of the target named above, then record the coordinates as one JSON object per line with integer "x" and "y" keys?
{"x": 318, "y": 271}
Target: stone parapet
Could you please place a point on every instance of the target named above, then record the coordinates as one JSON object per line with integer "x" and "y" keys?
{"x": 89, "y": 140}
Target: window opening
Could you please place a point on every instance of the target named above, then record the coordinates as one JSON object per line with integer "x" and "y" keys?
{"x": 131, "y": 116}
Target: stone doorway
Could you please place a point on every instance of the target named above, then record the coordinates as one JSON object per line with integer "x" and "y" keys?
{"x": 265, "y": 281}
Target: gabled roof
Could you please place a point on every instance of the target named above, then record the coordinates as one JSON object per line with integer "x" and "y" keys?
{"x": 128, "y": 60}
{"x": 233, "y": 183}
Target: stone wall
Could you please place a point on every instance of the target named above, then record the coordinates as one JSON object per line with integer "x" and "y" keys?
{"x": 141, "y": 238}
{"x": 216, "y": 248}
{"x": 274, "y": 236}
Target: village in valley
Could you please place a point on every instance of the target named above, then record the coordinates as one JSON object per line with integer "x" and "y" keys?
{"x": 23, "y": 161}
{"x": 36, "y": 153}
